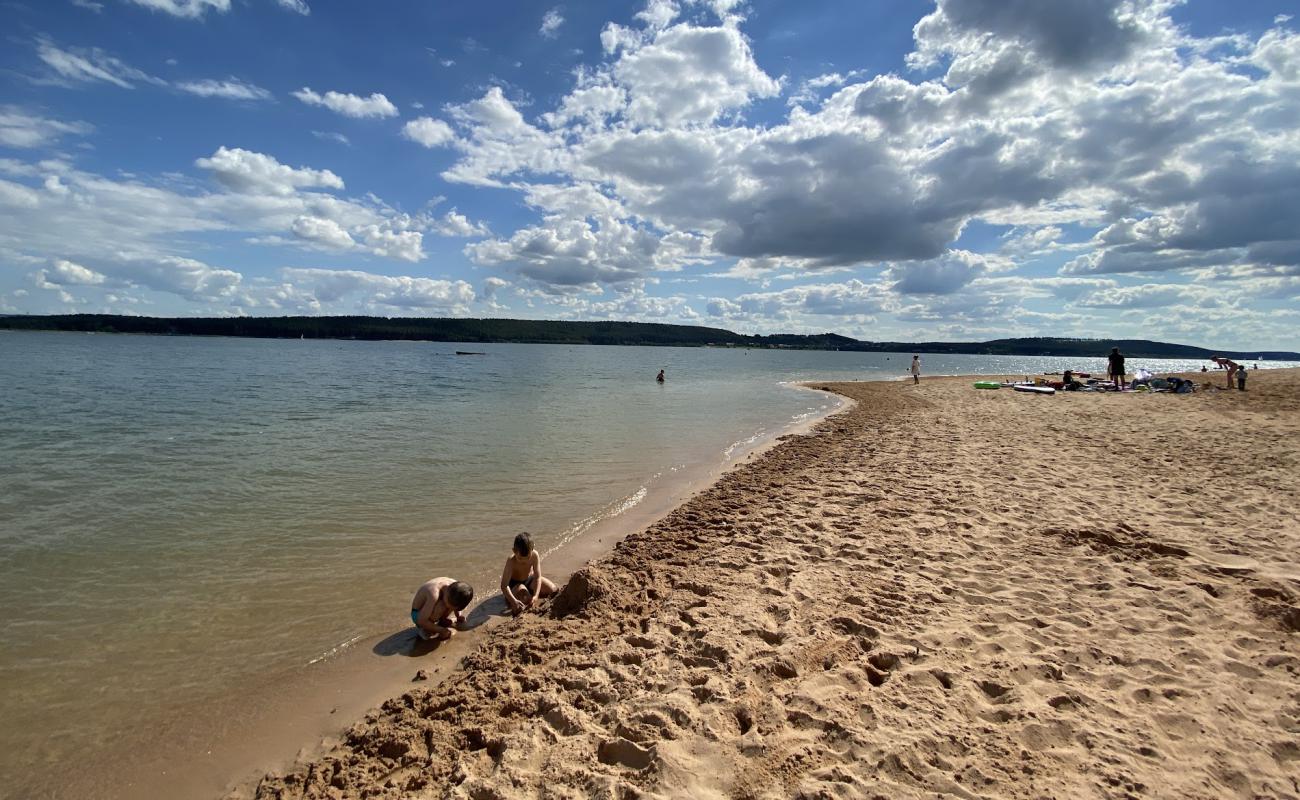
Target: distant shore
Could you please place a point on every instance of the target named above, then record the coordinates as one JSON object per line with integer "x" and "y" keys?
{"x": 638, "y": 334}
{"x": 982, "y": 594}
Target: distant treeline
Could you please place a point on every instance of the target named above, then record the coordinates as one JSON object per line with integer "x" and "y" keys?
{"x": 608, "y": 333}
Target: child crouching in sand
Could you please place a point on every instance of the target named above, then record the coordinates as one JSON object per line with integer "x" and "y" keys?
{"x": 521, "y": 581}
{"x": 436, "y": 607}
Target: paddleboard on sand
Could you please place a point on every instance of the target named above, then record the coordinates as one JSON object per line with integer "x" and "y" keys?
{"x": 1035, "y": 389}
{"x": 987, "y": 385}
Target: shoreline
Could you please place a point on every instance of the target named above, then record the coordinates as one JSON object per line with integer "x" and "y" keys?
{"x": 831, "y": 520}
{"x": 300, "y": 713}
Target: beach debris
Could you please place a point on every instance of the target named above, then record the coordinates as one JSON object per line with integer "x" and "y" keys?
{"x": 421, "y": 675}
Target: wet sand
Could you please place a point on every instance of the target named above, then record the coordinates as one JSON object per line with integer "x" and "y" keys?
{"x": 937, "y": 591}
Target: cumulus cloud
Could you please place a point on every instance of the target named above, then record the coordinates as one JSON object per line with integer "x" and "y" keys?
{"x": 367, "y": 289}
{"x": 429, "y": 132}
{"x": 323, "y": 231}
{"x": 851, "y": 298}
{"x": 456, "y": 224}
{"x": 66, "y": 273}
{"x": 1050, "y": 124}
{"x": 943, "y": 275}
{"x": 1093, "y": 136}
{"x": 249, "y": 172}
{"x": 686, "y": 74}
{"x": 184, "y": 277}
{"x": 349, "y": 105}
{"x": 20, "y": 128}
{"x": 567, "y": 254}
{"x": 52, "y": 210}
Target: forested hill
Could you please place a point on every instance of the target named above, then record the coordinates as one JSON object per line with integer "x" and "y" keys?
{"x": 608, "y": 333}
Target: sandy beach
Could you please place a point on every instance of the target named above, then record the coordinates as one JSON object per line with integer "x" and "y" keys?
{"x": 936, "y": 592}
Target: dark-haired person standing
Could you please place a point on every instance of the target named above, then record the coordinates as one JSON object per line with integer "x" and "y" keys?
{"x": 1116, "y": 367}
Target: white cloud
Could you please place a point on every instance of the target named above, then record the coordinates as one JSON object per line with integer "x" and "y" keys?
{"x": 332, "y": 136}
{"x": 853, "y": 298}
{"x": 90, "y": 66}
{"x": 1096, "y": 134}
{"x": 349, "y": 105}
{"x": 229, "y": 89}
{"x": 551, "y": 22}
{"x": 687, "y": 74}
{"x": 58, "y": 212}
{"x": 943, "y": 275}
{"x": 370, "y": 290}
{"x": 323, "y": 231}
{"x": 189, "y": 9}
{"x": 456, "y": 224}
{"x": 429, "y": 132}
{"x": 19, "y": 128}
{"x": 491, "y": 286}
{"x": 185, "y": 277}
{"x": 566, "y": 254}
{"x": 297, "y": 6}
{"x": 254, "y": 173}
{"x": 658, "y": 14}
{"x": 66, "y": 273}
{"x": 16, "y": 196}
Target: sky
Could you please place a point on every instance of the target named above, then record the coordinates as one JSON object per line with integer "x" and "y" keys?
{"x": 884, "y": 169}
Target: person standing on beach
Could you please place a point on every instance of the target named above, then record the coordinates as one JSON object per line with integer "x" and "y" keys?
{"x": 1228, "y": 364}
{"x": 1241, "y": 379}
{"x": 1116, "y": 360}
{"x": 916, "y": 369}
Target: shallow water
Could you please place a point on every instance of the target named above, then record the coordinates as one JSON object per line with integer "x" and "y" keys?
{"x": 180, "y": 517}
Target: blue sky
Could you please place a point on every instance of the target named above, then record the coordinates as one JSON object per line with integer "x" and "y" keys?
{"x": 885, "y": 169}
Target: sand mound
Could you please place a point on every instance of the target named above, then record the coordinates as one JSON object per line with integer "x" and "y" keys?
{"x": 939, "y": 592}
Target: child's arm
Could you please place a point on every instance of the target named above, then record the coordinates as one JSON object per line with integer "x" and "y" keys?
{"x": 511, "y": 600}
{"x": 537, "y": 573}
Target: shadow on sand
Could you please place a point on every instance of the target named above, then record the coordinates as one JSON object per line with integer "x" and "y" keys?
{"x": 406, "y": 643}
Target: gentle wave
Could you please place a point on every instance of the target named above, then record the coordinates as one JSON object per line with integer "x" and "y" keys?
{"x": 336, "y": 649}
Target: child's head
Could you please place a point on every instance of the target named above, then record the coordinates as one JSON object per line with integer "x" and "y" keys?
{"x": 524, "y": 544}
{"x": 459, "y": 594}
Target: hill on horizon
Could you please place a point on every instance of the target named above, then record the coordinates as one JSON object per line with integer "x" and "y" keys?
{"x": 465, "y": 329}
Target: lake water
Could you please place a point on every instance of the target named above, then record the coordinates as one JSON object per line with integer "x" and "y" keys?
{"x": 180, "y": 517}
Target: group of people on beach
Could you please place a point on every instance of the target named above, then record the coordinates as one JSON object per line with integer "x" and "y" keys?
{"x": 1236, "y": 372}
{"x": 437, "y": 609}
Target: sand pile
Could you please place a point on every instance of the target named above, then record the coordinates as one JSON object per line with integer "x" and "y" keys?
{"x": 941, "y": 590}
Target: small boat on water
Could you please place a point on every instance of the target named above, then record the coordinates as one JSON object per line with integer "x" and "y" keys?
{"x": 468, "y": 353}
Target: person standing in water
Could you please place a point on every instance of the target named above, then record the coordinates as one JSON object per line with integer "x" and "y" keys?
{"x": 916, "y": 369}
{"x": 660, "y": 376}
{"x": 1116, "y": 367}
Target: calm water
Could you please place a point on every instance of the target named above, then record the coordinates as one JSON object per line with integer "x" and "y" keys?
{"x": 181, "y": 515}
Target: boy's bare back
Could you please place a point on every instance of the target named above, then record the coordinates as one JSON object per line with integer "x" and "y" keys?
{"x": 431, "y": 592}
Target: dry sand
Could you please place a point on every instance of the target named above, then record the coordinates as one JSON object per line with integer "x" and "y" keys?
{"x": 938, "y": 592}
